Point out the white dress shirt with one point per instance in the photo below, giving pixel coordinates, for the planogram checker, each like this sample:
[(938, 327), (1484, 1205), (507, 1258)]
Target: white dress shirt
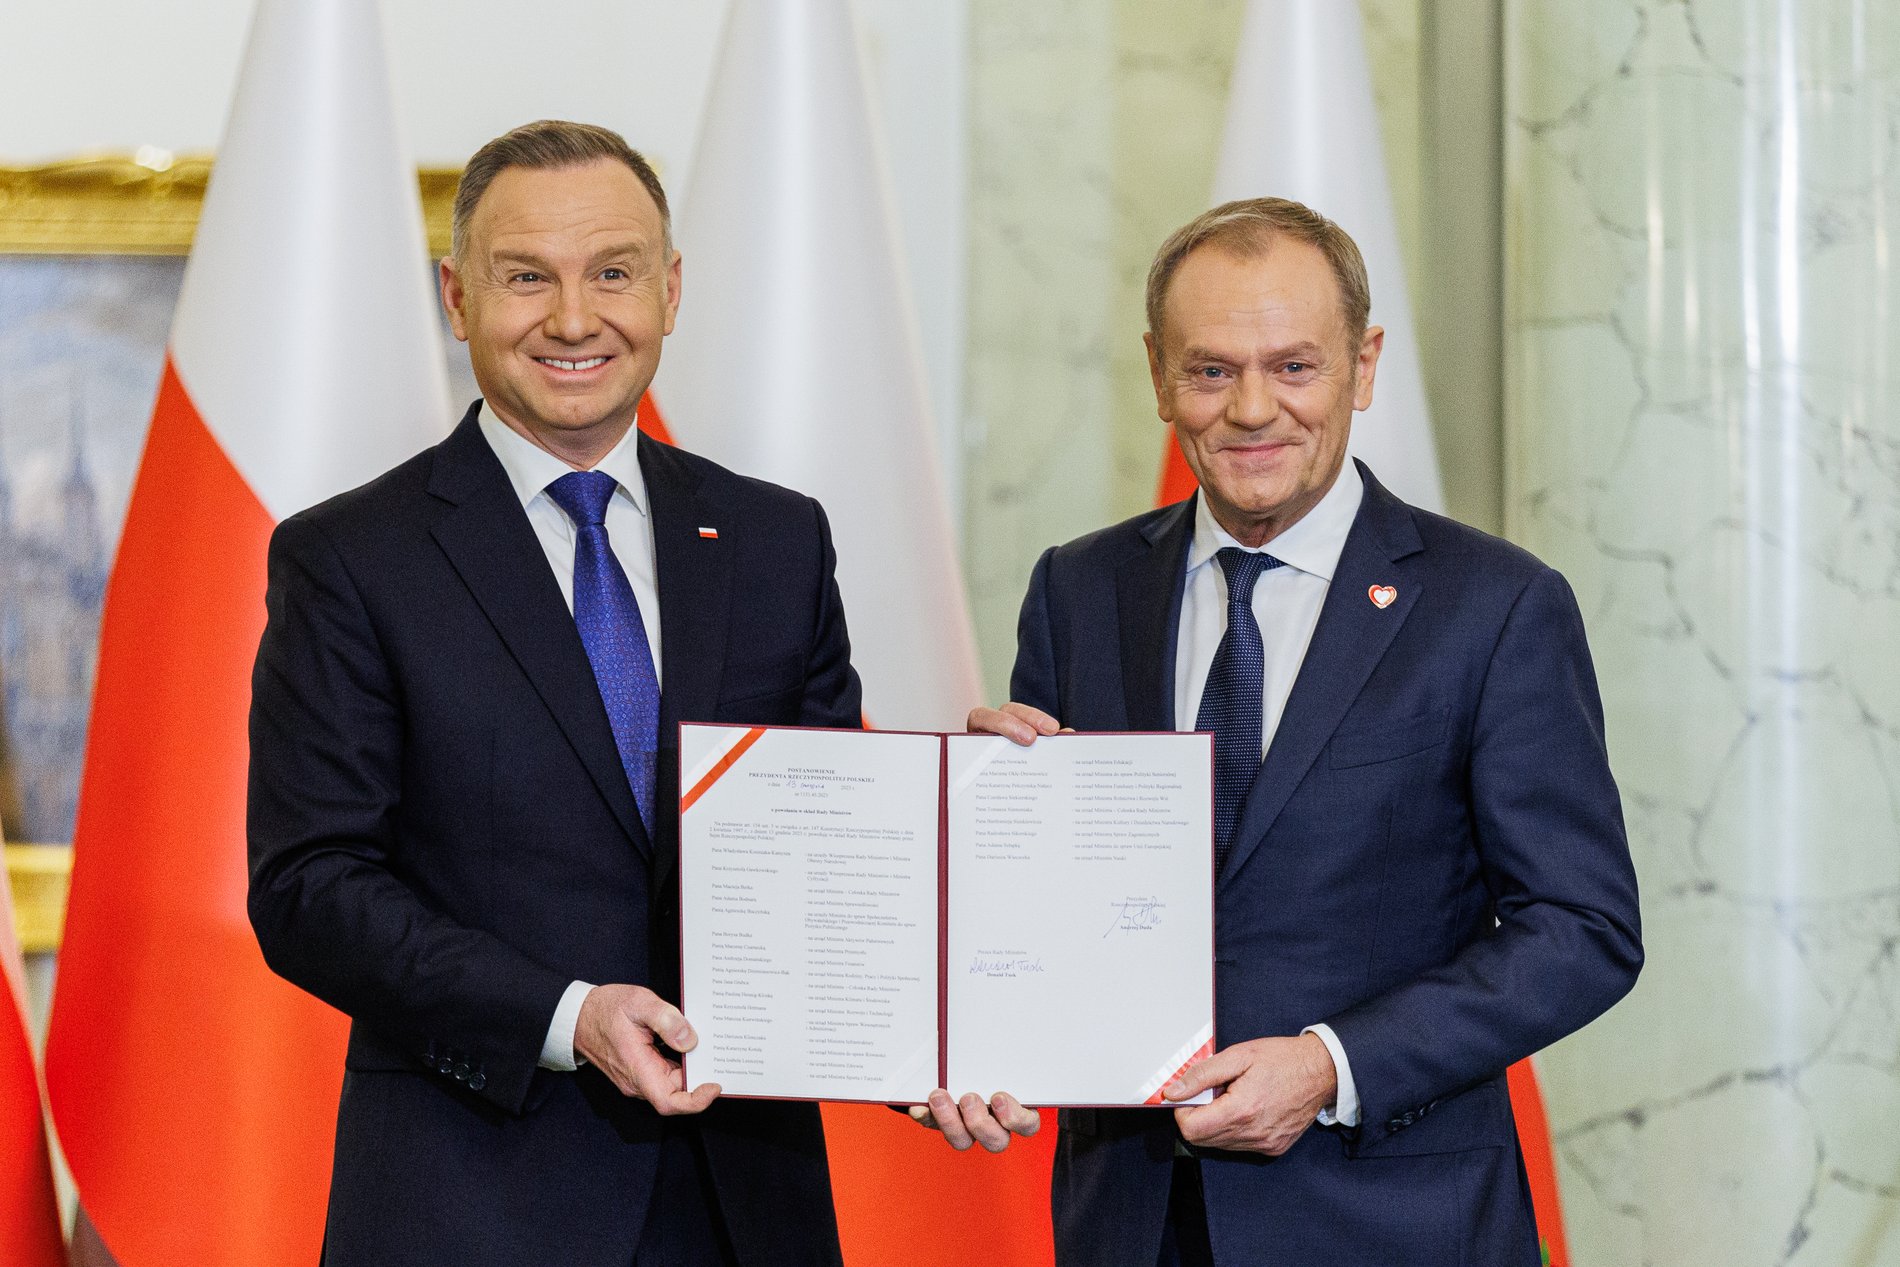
[(630, 532), (1286, 603)]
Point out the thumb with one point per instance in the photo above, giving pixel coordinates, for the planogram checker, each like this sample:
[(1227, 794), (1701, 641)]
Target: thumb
[(667, 1022), (1216, 1071)]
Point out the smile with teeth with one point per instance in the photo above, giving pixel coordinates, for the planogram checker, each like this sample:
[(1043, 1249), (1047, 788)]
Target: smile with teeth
[(558, 364)]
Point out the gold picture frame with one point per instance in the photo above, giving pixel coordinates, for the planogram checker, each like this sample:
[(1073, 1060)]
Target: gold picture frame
[(141, 203), (144, 203)]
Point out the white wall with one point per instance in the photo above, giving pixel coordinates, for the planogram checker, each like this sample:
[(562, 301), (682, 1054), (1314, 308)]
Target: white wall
[(83, 75)]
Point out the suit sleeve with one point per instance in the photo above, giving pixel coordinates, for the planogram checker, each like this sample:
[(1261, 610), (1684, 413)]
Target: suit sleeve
[(834, 697), (1033, 680), (1548, 828), (332, 911)]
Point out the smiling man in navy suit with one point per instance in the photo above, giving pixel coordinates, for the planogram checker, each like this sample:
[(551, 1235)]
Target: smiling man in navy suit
[(1422, 874), (463, 812)]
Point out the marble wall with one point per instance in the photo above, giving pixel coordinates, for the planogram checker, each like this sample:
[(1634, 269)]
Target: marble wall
[(1094, 130), (1703, 432)]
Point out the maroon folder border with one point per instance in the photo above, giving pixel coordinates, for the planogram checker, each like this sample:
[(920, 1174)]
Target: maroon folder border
[(943, 896)]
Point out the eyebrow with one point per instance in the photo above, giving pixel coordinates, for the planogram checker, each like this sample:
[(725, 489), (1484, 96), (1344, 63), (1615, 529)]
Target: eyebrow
[(632, 247), (1302, 351)]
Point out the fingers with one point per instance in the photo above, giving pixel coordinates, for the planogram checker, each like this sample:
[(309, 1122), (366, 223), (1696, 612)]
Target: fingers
[(970, 1120), (1216, 1071), (620, 1029), (1034, 717), (1017, 722), (1257, 1110), (698, 1100), (662, 1083), (1212, 1126), (949, 1120), (983, 1127), (1207, 1124), (1016, 1119)]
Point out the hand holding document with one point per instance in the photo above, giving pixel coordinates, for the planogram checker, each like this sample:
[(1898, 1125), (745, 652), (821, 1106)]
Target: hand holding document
[(872, 916)]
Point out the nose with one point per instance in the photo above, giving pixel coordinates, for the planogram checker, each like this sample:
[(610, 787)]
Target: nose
[(572, 317), (1253, 404)]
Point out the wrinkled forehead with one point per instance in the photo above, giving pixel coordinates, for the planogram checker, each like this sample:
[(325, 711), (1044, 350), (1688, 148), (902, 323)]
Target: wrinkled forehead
[(1282, 283), (594, 200)]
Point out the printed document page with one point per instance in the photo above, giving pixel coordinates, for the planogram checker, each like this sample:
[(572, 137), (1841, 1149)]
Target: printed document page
[(1080, 966), (808, 868)]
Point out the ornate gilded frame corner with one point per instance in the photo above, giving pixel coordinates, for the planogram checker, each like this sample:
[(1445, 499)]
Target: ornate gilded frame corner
[(144, 203)]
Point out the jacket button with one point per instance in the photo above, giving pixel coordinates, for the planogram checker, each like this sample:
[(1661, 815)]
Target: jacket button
[(445, 1066), (461, 1072), (477, 1080)]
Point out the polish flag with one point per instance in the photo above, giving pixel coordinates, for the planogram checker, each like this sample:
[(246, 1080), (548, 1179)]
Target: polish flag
[(796, 356), (30, 1232), (1301, 97), (195, 1092), (796, 360)]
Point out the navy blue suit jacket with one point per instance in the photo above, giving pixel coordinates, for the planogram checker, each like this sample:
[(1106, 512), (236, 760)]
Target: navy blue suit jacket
[(1431, 860), (442, 838)]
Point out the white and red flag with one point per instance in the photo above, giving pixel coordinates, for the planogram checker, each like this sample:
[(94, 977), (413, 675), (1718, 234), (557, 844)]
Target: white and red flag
[(796, 360), (30, 1232), (194, 1092), (796, 357), (1301, 97)]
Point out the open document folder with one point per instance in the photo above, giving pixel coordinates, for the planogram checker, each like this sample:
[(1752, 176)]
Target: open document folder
[(870, 915)]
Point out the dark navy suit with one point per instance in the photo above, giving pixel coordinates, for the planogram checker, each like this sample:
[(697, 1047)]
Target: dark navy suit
[(1431, 860), (442, 838)]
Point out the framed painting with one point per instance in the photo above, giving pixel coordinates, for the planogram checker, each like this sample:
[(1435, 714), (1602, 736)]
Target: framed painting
[(92, 252)]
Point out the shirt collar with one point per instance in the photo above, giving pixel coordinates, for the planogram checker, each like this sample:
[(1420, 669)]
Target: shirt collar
[(1312, 545), (532, 468)]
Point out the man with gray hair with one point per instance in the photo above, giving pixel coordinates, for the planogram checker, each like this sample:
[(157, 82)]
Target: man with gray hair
[(1421, 871), (463, 829)]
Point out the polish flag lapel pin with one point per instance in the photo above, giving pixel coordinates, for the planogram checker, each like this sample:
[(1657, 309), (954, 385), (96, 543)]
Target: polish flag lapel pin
[(709, 534), (1382, 596)]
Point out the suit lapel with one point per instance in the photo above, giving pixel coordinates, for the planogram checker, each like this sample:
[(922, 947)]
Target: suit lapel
[(491, 545), (694, 577), (1147, 626), (1351, 637)]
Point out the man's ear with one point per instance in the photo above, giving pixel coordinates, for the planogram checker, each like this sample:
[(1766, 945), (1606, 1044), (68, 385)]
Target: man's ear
[(1164, 401), (1367, 367), (672, 292), (450, 284)]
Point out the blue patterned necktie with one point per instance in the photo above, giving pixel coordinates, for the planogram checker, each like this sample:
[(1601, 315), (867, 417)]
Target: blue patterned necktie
[(1231, 700), (613, 633)]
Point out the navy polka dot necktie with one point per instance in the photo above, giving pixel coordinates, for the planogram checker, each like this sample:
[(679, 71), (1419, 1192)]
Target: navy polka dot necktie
[(1231, 700), (613, 633)]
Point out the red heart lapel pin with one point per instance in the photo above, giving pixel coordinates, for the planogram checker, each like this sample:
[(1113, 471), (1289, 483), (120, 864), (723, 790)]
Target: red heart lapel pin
[(1382, 596)]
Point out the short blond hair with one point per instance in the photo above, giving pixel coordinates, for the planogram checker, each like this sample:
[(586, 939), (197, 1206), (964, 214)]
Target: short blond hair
[(1249, 228), (546, 145)]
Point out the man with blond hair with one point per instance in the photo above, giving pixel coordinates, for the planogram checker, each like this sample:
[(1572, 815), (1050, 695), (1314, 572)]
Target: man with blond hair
[(463, 828), (1421, 870)]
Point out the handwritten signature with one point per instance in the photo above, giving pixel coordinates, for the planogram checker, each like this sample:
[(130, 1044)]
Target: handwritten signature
[(1135, 915), (987, 966)]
